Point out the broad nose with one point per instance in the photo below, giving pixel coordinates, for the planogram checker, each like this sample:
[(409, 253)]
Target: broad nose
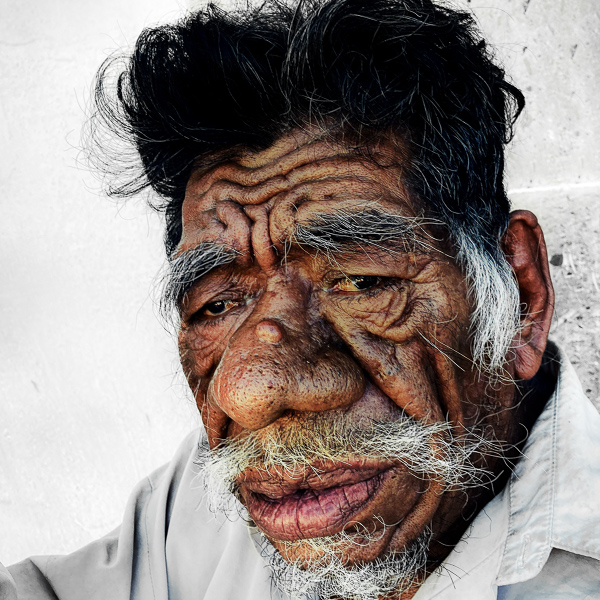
[(273, 365)]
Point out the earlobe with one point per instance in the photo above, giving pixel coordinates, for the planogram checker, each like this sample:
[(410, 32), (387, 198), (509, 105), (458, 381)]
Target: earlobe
[(525, 250)]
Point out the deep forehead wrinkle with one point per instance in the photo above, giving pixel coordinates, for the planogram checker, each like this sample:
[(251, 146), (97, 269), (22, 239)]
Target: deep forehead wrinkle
[(252, 169), (329, 168), (271, 172), (188, 267)]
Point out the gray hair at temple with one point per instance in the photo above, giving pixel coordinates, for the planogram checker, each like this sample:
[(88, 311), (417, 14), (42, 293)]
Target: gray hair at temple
[(200, 90)]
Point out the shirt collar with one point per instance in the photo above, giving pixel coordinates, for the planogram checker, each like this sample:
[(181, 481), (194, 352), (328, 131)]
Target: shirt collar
[(551, 501), (554, 490)]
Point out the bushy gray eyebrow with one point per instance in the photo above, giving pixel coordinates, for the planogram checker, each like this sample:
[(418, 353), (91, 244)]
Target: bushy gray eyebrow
[(338, 231), (345, 230), (183, 271)]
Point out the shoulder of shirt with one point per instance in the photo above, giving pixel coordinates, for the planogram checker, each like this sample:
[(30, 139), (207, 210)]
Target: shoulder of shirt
[(128, 557), (547, 518), (554, 490)]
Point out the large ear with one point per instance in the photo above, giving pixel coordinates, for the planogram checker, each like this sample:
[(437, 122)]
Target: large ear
[(525, 250)]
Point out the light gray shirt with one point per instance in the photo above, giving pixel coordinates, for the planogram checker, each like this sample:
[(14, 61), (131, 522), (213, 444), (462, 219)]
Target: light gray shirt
[(539, 538)]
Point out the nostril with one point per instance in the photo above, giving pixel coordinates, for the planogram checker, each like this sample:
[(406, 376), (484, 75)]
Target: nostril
[(269, 331)]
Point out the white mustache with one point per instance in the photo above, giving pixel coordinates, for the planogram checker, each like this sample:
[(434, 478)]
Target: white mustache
[(430, 451)]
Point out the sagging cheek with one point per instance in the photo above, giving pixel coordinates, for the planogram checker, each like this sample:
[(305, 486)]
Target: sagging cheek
[(403, 372), (196, 362), (200, 354), (438, 316), (198, 367), (415, 348)]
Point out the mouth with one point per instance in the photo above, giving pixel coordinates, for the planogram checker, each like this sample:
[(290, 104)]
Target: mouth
[(316, 503)]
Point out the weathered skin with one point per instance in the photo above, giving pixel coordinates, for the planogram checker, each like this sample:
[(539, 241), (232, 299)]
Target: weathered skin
[(296, 337)]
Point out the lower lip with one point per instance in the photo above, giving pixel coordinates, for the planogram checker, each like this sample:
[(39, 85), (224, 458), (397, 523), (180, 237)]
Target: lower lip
[(311, 513)]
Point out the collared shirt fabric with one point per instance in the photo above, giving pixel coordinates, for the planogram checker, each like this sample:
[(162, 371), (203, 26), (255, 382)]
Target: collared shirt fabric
[(537, 539), (540, 537)]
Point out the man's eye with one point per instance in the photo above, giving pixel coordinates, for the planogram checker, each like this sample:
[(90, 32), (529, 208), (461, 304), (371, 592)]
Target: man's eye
[(356, 283), (218, 307)]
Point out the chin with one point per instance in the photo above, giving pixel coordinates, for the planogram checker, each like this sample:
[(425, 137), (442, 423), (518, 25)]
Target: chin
[(349, 566)]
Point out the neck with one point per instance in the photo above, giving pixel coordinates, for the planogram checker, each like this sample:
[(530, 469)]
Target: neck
[(530, 399)]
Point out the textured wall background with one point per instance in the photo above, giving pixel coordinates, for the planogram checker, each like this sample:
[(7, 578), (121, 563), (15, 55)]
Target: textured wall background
[(551, 49), (90, 396), (89, 401)]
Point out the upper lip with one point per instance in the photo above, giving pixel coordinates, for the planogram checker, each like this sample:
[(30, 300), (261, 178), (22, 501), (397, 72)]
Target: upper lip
[(278, 482)]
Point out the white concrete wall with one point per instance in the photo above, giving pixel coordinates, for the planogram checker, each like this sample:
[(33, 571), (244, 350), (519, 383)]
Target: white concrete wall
[(551, 49), (90, 399)]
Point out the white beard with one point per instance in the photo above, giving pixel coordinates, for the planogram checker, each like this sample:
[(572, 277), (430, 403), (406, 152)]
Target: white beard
[(426, 450), (328, 578)]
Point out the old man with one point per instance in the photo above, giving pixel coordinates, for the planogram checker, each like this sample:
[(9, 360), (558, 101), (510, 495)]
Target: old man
[(362, 322)]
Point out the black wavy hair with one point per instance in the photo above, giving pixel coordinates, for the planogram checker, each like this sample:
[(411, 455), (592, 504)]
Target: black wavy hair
[(361, 69)]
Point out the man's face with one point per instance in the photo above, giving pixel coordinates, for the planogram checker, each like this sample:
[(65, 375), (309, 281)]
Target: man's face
[(333, 305)]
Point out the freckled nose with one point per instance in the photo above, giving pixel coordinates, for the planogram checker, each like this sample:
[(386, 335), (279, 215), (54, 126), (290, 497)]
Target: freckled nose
[(269, 331)]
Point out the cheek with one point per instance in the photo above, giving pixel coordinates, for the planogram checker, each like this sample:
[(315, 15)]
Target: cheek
[(403, 372), (197, 356), (413, 348), (200, 351), (199, 359)]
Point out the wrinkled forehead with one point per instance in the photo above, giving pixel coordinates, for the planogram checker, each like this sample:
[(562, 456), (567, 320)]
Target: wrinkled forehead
[(295, 180)]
